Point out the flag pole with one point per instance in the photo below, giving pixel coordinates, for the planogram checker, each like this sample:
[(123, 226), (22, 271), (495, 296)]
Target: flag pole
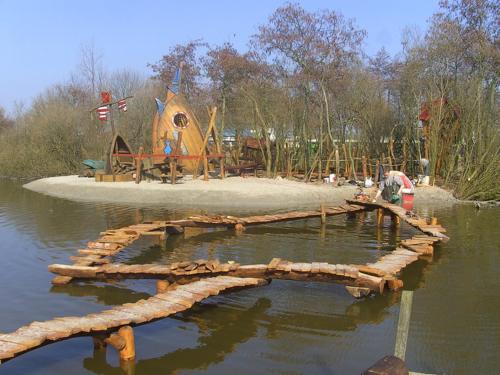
[(112, 120)]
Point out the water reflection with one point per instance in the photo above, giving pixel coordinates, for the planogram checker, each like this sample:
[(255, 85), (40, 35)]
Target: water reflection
[(308, 327), (218, 337), (104, 294)]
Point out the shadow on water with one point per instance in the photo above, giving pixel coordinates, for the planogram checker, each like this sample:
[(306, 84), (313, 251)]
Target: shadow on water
[(222, 329), (218, 338), (104, 294)]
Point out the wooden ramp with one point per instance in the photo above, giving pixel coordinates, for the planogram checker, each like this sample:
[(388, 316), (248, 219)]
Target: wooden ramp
[(157, 307), (113, 241)]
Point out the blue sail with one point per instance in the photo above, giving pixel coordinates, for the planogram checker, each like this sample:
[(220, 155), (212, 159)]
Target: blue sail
[(176, 82), (159, 106)]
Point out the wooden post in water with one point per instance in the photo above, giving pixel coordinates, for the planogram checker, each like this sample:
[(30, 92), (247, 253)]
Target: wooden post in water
[(128, 351), (162, 286), (122, 341), (434, 220), (395, 220), (403, 324), (380, 216), (99, 342), (323, 214)]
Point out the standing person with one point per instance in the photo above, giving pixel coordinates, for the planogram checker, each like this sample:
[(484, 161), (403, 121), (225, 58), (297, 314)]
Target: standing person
[(396, 187), (424, 163)]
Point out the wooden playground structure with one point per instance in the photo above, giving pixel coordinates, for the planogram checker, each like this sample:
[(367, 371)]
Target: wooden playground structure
[(180, 285)]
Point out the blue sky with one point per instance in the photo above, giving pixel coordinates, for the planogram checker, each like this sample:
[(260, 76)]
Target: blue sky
[(41, 40)]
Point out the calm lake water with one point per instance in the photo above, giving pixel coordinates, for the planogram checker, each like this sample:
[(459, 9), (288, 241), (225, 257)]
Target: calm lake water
[(284, 328)]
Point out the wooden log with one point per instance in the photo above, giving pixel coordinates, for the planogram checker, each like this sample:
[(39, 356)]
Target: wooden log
[(103, 245), (394, 284), (116, 341), (370, 270), (73, 271), (358, 292), (239, 228), (323, 214), (389, 365), (373, 282), (162, 286), (403, 324), (395, 220), (61, 280), (274, 263), (380, 217), (128, 351)]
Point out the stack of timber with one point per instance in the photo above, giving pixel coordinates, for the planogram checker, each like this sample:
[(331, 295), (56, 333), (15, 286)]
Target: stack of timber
[(185, 272), (178, 298), (434, 230)]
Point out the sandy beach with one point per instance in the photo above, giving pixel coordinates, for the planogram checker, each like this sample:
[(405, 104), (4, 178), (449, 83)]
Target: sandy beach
[(231, 193)]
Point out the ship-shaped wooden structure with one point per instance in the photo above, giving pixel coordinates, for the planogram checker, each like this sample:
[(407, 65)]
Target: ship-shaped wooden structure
[(176, 130), (178, 144)]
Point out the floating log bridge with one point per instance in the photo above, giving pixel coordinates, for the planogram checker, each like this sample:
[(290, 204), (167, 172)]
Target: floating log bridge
[(114, 240), (102, 325)]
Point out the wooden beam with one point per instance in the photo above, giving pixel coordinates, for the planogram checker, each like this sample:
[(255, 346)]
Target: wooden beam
[(403, 324)]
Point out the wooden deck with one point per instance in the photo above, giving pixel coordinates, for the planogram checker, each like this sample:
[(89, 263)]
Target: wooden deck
[(162, 305)]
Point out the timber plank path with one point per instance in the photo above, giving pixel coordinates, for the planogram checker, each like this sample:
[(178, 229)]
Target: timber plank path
[(415, 221), (182, 284), (159, 306)]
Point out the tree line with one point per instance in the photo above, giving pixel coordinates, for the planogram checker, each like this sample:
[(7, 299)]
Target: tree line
[(307, 90)]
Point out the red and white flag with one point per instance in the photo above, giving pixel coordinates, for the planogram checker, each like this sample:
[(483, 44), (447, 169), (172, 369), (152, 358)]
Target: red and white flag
[(122, 105), (103, 112)]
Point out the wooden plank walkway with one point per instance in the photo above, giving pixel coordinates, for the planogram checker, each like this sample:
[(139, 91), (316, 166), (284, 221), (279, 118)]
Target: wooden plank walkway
[(185, 272), (414, 220), (191, 282), (113, 241), (157, 307)]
